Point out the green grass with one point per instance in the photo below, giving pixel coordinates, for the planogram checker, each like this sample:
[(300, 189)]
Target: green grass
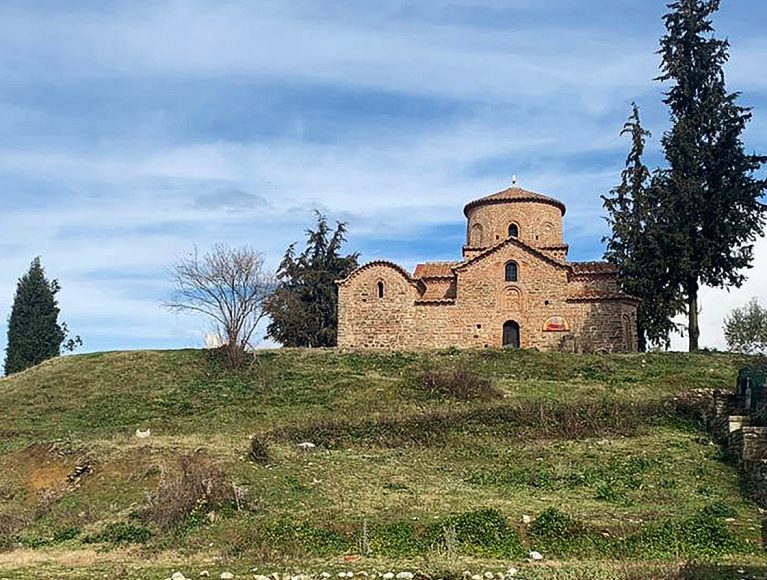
[(588, 444)]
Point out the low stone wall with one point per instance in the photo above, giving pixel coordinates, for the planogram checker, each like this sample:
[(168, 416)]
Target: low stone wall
[(724, 416)]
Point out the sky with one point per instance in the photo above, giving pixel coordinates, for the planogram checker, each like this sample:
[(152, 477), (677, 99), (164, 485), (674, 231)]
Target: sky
[(133, 131)]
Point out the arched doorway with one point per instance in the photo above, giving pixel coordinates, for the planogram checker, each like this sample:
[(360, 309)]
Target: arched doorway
[(511, 334)]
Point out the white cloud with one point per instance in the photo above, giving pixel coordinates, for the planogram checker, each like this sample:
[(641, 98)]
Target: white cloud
[(717, 303), (532, 100)]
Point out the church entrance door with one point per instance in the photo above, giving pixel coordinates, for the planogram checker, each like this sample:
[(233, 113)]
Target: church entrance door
[(511, 334)]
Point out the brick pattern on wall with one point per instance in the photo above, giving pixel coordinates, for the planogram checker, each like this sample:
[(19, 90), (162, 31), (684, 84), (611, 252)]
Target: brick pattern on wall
[(470, 309)]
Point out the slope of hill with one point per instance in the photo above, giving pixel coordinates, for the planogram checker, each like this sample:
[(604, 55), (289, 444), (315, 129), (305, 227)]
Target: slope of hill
[(368, 461)]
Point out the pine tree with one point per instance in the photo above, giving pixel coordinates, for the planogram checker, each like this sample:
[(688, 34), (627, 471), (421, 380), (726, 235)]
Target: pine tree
[(633, 244), (304, 307), (709, 197), (34, 333)]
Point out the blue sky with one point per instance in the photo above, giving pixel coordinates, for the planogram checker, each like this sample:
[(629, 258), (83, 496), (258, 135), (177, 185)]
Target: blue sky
[(133, 130)]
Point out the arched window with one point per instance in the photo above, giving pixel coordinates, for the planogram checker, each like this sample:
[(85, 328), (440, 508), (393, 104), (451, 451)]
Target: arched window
[(511, 334), (477, 235), (513, 231), (380, 289), (512, 272)]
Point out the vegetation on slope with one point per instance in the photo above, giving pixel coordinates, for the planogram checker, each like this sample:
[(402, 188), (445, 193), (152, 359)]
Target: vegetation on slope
[(428, 460)]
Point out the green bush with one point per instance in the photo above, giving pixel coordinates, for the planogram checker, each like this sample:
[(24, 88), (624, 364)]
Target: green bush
[(703, 535), (66, 534), (121, 533), (478, 533), (301, 538)]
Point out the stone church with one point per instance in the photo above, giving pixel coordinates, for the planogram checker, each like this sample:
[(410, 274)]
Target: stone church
[(514, 287)]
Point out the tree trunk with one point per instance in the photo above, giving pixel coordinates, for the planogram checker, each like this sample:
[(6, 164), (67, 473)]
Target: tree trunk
[(693, 330)]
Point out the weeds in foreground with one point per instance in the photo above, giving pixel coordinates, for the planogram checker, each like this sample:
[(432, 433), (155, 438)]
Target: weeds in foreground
[(196, 486), (458, 383), (521, 420)]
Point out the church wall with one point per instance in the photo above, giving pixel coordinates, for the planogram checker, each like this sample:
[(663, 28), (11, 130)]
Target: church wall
[(602, 283), (486, 299), (367, 321), (598, 326), (540, 224)]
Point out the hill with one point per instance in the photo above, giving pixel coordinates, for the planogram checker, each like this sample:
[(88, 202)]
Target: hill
[(430, 462)]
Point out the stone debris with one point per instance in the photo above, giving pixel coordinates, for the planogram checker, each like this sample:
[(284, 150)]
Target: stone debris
[(143, 434), (307, 445), (526, 519), (404, 575), (178, 576), (81, 471), (535, 556), (226, 576)]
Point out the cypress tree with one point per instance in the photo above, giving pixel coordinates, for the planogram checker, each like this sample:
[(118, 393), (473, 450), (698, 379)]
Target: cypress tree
[(709, 197), (34, 333), (633, 244), (304, 307)]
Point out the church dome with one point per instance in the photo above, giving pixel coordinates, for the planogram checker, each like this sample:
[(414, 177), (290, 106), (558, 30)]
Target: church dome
[(514, 195)]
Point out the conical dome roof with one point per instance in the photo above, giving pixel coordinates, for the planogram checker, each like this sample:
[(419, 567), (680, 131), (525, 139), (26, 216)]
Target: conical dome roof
[(514, 194)]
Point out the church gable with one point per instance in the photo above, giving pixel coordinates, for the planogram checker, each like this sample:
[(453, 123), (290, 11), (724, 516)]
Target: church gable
[(511, 274)]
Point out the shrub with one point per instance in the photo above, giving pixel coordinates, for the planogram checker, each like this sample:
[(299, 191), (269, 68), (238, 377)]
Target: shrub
[(301, 538), (196, 486), (258, 451), (524, 420), (552, 525), (458, 383), (478, 533), (700, 535), (121, 533), (66, 534), (9, 525), (556, 533)]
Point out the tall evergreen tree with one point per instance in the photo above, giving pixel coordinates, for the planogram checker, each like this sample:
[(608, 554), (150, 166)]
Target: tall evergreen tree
[(34, 333), (709, 196), (304, 307), (633, 244)]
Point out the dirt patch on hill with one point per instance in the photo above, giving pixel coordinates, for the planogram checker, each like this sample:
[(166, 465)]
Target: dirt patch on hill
[(40, 468)]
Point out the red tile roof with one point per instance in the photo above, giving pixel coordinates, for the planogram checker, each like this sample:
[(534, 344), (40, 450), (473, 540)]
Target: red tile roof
[(435, 270), (594, 268), (514, 194)]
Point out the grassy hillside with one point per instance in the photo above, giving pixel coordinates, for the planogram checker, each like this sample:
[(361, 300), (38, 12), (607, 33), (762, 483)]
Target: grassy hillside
[(402, 475)]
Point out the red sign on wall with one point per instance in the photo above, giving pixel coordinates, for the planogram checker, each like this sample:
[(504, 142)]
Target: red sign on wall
[(556, 324)]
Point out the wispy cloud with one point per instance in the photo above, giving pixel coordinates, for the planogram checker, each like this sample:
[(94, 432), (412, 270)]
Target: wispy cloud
[(134, 130)]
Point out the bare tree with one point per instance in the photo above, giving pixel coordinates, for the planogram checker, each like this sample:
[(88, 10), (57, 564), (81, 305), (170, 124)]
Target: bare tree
[(229, 286)]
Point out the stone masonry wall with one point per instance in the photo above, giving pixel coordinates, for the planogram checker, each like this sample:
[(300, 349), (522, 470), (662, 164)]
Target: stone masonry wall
[(365, 320), (484, 302), (723, 415), (540, 224)]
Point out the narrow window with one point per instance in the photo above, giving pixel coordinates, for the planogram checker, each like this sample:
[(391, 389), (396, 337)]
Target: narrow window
[(513, 231), (380, 289), (477, 235), (511, 272)]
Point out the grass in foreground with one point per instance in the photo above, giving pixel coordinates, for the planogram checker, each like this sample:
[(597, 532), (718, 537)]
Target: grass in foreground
[(404, 472)]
